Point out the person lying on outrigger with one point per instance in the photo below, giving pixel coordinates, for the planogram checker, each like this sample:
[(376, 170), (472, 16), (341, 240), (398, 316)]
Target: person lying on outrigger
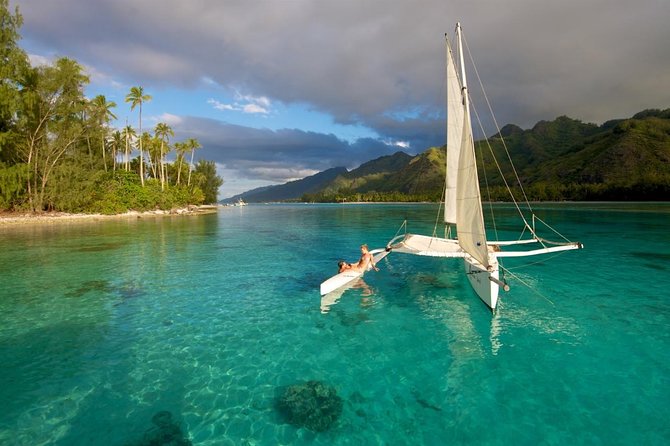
[(366, 262)]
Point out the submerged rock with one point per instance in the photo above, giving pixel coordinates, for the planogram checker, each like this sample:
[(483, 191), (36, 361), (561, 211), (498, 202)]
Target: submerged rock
[(314, 405), (166, 432), (162, 418), (101, 286)]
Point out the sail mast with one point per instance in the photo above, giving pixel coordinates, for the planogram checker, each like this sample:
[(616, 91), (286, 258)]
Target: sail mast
[(469, 213), (464, 83)]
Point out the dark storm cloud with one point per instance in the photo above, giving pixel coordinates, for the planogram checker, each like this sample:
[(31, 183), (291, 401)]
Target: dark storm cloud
[(374, 63)]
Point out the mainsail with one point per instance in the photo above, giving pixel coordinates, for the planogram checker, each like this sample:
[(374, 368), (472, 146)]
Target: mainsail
[(469, 214), (455, 113)]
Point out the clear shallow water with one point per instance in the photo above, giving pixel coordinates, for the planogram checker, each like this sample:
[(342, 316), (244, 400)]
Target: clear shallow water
[(104, 324)]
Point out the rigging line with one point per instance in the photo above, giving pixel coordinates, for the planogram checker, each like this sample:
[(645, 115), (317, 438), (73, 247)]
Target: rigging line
[(488, 193), (496, 125), (404, 223), (495, 159), (443, 199), (439, 208), (523, 231), (514, 276), (548, 226)]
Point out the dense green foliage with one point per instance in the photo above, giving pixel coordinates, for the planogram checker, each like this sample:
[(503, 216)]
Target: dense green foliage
[(58, 152), (122, 191), (13, 67), (206, 180), (395, 178), (626, 159), (367, 197), (564, 159)]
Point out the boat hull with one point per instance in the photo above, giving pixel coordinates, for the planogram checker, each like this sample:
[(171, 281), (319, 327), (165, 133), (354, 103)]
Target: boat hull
[(338, 281), (342, 279), (480, 280)]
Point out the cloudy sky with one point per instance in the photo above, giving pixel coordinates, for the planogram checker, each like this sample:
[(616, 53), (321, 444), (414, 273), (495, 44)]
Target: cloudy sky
[(280, 89)]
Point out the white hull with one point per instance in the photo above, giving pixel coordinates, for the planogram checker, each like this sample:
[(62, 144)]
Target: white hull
[(342, 279), (478, 275), (339, 281), (480, 279)]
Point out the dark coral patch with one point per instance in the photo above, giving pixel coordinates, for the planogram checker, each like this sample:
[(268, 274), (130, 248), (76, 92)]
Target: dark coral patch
[(314, 405), (165, 432)]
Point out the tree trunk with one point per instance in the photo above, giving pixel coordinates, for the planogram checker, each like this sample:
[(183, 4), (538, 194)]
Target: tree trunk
[(162, 165), (179, 170), (127, 154), (190, 168), (141, 151), (104, 155)]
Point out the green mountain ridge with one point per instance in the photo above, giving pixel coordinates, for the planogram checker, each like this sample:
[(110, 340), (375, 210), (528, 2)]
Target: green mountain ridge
[(563, 159), (291, 190), (372, 175), (627, 159)]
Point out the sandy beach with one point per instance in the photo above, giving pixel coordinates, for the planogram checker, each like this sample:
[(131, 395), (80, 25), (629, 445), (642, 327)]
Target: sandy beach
[(20, 219)]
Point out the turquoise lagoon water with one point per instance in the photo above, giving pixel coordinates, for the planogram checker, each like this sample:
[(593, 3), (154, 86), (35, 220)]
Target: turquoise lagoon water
[(105, 324)]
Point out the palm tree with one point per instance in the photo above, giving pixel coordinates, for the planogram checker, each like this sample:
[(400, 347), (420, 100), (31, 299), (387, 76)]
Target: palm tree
[(102, 113), (181, 149), (152, 145), (128, 135), (137, 97), (163, 133), (147, 142), (115, 142), (192, 145)]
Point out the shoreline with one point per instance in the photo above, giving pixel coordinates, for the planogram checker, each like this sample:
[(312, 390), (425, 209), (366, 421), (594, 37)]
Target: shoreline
[(13, 219)]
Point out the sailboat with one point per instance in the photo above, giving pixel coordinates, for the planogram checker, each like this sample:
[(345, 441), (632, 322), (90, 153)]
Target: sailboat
[(463, 202)]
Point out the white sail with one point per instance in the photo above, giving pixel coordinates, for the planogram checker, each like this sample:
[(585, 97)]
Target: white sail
[(470, 217), (455, 112)]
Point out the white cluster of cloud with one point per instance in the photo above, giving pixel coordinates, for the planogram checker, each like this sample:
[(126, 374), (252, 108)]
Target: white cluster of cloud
[(245, 104), (170, 119), (37, 60)]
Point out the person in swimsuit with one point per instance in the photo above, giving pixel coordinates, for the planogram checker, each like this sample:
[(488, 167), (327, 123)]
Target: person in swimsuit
[(367, 261)]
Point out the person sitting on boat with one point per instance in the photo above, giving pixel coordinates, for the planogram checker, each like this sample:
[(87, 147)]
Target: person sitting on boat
[(366, 262)]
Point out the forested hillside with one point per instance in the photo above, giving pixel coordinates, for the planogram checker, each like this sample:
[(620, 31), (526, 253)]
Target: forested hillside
[(625, 159), (563, 159)]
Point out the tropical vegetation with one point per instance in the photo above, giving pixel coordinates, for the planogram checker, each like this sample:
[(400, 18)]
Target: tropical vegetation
[(59, 151)]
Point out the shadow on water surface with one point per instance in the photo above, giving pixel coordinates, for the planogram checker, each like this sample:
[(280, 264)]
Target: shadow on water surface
[(35, 360), (662, 256), (90, 286), (100, 247), (125, 291)]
